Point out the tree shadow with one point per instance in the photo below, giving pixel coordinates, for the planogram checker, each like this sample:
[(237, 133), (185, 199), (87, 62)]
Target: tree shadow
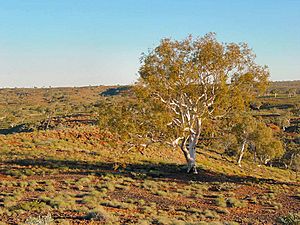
[(146, 169), (21, 128)]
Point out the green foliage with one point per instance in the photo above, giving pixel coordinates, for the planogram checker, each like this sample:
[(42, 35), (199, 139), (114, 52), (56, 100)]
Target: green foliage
[(30, 206), (267, 147), (296, 163), (134, 119), (244, 127), (221, 201), (199, 81), (98, 214), (233, 202), (253, 134), (290, 219), (60, 201)]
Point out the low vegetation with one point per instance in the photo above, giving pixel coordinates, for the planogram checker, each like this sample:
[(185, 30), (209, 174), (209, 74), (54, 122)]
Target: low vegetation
[(105, 155)]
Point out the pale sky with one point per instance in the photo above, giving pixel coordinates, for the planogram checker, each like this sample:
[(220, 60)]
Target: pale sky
[(95, 42)]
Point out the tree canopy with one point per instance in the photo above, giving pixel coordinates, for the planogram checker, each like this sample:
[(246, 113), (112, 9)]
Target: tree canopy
[(254, 135), (199, 81)]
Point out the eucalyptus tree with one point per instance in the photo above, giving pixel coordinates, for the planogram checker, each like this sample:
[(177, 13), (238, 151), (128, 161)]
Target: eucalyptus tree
[(266, 145), (199, 80), (292, 151), (244, 129), (134, 120), (253, 134)]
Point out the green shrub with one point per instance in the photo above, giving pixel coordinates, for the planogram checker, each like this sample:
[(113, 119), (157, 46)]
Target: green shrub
[(30, 206), (233, 202), (231, 223), (98, 214), (122, 187), (210, 214), (222, 211), (148, 210), (192, 210), (274, 205), (60, 201), (290, 219), (9, 201), (143, 222), (160, 193), (220, 201), (116, 204)]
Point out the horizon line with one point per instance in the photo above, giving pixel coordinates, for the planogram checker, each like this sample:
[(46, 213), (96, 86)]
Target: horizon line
[(95, 85)]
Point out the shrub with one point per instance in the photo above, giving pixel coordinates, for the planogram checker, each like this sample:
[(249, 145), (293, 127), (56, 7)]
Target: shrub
[(160, 193), (143, 222), (274, 205), (93, 198), (23, 184), (60, 201), (9, 201), (148, 210), (40, 220), (220, 201), (290, 219), (222, 211), (108, 186), (252, 200), (233, 202), (210, 214), (192, 210), (31, 206), (98, 214), (122, 187), (231, 223)]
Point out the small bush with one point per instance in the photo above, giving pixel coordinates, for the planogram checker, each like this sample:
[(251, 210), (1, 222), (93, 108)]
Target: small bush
[(222, 211), (192, 210), (185, 192), (274, 205), (252, 200), (220, 202), (143, 222), (233, 202), (148, 210), (290, 219), (98, 214), (122, 187), (40, 220), (108, 186), (210, 214), (231, 223), (9, 201), (30, 206), (60, 201), (160, 193)]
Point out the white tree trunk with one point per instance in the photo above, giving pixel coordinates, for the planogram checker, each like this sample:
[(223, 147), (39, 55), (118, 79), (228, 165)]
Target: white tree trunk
[(241, 154), (192, 154)]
